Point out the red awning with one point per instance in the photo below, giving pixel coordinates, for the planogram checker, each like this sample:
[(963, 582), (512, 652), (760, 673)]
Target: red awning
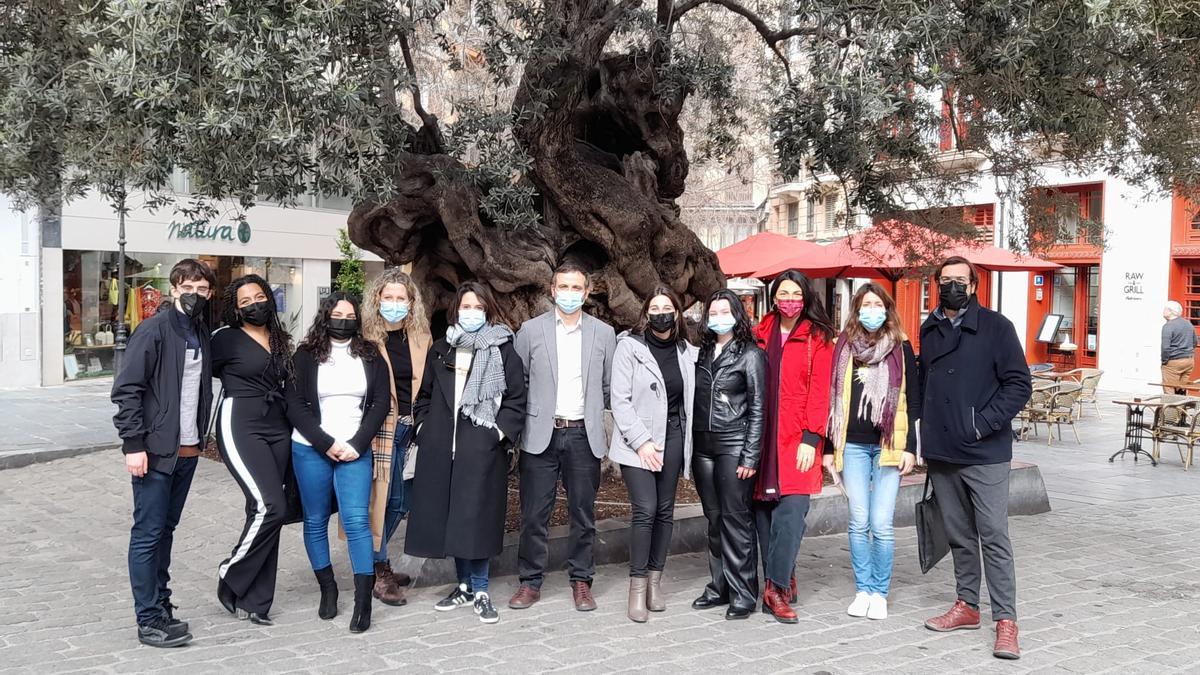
[(758, 255)]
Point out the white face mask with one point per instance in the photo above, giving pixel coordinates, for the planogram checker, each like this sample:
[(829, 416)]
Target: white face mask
[(471, 320)]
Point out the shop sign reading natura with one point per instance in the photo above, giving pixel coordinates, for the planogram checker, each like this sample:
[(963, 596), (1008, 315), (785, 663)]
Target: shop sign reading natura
[(231, 232)]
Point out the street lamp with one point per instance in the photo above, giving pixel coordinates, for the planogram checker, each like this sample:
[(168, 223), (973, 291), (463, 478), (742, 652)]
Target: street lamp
[(122, 336)]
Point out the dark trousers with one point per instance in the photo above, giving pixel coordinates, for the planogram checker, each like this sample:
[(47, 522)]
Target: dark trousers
[(158, 500), (781, 529), (256, 449), (570, 457), (652, 498), (732, 559), (974, 504), (398, 489)]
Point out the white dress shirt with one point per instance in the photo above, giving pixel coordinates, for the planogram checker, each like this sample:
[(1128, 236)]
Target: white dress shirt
[(569, 345)]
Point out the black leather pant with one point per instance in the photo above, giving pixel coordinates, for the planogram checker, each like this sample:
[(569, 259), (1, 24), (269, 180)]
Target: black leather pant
[(652, 500), (732, 559)]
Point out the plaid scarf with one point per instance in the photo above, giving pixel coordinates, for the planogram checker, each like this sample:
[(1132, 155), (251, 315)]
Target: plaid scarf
[(486, 383), (880, 374)]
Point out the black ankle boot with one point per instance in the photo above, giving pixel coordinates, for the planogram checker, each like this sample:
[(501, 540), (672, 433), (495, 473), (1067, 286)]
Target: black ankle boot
[(361, 619), (329, 593)]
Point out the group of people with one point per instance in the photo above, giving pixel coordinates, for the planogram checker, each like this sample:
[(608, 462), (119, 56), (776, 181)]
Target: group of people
[(373, 418)]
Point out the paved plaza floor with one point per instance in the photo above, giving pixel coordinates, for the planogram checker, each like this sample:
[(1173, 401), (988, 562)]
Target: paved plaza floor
[(1109, 581)]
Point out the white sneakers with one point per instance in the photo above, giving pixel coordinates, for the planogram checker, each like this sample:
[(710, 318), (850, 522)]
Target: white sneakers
[(870, 605), (878, 609), (860, 606)]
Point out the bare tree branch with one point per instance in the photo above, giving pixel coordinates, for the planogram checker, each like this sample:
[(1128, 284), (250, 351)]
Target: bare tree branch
[(771, 37)]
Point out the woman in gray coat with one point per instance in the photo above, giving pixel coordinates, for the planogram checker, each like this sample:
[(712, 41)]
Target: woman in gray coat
[(653, 383)]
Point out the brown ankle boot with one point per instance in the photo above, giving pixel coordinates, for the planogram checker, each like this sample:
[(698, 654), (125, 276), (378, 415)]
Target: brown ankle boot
[(637, 600), (386, 590), (655, 602)]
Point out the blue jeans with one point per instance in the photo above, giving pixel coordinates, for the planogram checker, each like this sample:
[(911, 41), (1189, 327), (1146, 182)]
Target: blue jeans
[(320, 479), (397, 504), (473, 573), (158, 500), (872, 490)]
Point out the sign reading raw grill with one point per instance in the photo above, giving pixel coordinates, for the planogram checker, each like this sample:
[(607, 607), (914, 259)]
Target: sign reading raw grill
[(233, 232)]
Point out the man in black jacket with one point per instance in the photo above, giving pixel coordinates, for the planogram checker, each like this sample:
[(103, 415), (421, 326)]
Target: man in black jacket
[(976, 380), (163, 396)]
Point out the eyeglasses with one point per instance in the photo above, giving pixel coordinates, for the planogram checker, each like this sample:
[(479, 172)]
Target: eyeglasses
[(961, 280)]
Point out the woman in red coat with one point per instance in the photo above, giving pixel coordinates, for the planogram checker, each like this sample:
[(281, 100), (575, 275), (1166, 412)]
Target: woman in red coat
[(797, 337)]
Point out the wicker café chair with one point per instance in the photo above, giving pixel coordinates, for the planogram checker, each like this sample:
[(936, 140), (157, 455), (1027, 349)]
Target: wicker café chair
[(1037, 410), (1089, 379), (1062, 410), (1178, 422)]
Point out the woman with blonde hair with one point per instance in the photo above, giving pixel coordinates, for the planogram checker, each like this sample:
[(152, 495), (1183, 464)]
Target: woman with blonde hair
[(394, 319)]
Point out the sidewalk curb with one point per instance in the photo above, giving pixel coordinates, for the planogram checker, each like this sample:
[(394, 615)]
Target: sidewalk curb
[(17, 459), (829, 514)]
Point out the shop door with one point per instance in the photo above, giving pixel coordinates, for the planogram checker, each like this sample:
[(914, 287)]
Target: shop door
[(1076, 296)]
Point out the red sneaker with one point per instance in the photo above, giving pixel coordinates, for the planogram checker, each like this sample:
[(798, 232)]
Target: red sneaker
[(1006, 640), (960, 617)]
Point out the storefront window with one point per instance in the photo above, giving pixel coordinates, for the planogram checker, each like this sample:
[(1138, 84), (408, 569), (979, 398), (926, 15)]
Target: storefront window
[(91, 292), (1064, 303)]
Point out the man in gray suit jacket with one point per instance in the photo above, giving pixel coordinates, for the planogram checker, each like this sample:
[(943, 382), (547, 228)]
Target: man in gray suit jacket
[(568, 360)]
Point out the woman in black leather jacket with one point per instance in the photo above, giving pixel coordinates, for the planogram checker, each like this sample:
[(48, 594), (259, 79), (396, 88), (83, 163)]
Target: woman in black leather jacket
[(731, 376)]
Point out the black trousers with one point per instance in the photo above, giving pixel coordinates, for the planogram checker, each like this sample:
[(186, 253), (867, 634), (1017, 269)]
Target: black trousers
[(158, 500), (652, 497), (781, 529), (569, 457), (256, 448), (732, 559)]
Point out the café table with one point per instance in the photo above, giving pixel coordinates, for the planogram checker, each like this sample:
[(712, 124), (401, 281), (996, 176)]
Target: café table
[(1135, 426)]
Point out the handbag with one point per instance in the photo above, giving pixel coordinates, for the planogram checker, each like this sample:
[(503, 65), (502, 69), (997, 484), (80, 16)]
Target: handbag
[(932, 544)]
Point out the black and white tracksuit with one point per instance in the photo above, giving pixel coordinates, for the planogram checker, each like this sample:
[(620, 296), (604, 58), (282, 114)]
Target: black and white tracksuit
[(254, 438)]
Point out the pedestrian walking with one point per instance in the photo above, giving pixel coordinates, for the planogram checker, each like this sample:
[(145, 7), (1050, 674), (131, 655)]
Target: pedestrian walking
[(1179, 344), (470, 411), (394, 319), (874, 408), (337, 403), (252, 356), (796, 335), (975, 381), (731, 381), (567, 355), (163, 395), (653, 390)]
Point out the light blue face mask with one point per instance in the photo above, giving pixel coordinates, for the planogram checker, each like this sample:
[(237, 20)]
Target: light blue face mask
[(872, 318), (393, 312), (568, 301), (471, 320), (721, 323)]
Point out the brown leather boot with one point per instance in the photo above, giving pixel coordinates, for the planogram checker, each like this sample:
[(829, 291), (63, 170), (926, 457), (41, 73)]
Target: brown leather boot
[(775, 603), (655, 602), (386, 590), (402, 580), (581, 592), (960, 617), (524, 598), (637, 600)]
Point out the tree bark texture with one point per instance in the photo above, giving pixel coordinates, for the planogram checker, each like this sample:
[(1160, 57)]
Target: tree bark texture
[(608, 162)]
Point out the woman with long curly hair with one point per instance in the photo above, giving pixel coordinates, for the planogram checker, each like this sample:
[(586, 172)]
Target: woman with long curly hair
[(252, 357), (727, 430), (338, 400), (797, 336), (394, 319)]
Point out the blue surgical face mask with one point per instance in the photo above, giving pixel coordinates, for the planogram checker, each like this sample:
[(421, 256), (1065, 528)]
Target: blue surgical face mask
[(471, 320), (393, 312), (872, 318), (721, 323), (568, 301)]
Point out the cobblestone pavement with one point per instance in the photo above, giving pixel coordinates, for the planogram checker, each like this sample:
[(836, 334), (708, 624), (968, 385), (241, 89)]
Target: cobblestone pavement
[(1104, 587)]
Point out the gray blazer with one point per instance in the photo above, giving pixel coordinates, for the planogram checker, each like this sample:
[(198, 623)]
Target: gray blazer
[(639, 401), (535, 343)]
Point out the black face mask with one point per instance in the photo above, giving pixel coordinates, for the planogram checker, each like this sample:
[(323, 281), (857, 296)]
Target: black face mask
[(257, 314), (193, 305), (953, 295), (342, 329), (661, 323)]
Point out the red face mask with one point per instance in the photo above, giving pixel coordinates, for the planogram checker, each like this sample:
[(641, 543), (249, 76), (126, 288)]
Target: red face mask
[(790, 308)]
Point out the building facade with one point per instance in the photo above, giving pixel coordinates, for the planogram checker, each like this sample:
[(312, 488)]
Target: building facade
[(61, 285)]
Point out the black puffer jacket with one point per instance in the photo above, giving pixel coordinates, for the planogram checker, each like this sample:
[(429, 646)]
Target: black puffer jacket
[(730, 396)]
